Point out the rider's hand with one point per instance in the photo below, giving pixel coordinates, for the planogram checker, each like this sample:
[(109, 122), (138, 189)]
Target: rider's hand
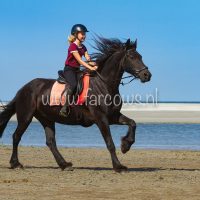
[(92, 63), (94, 68)]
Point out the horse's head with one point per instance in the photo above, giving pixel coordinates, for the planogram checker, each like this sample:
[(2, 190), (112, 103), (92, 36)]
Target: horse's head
[(133, 64)]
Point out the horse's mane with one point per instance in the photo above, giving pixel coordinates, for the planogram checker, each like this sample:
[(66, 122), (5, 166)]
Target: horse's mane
[(105, 48)]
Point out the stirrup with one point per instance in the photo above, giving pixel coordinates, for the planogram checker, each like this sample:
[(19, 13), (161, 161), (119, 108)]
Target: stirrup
[(65, 113)]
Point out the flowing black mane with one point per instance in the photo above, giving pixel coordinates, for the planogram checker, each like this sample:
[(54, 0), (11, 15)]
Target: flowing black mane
[(106, 47)]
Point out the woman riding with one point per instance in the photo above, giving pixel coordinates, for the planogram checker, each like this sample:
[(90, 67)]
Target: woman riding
[(74, 60)]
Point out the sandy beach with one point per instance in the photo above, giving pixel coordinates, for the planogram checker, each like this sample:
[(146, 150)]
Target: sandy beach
[(163, 112), (152, 174)]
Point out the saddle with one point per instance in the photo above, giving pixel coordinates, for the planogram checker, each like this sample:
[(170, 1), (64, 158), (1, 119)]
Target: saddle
[(60, 86), (80, 75)]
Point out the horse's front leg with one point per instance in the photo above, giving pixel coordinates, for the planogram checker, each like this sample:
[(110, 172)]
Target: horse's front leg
[(129, 138), (102, 122)]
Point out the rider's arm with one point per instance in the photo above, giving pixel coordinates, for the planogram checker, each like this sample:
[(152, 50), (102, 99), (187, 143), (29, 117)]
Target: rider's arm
[(81, 62), (87, 56)]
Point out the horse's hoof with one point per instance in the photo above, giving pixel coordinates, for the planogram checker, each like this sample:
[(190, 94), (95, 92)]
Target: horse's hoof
[(125, 145), (66, 166), (16, 165), (69, 169), (120, 168)]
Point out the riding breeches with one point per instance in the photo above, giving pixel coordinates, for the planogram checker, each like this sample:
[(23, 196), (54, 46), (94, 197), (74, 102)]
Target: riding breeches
[(70, 74)]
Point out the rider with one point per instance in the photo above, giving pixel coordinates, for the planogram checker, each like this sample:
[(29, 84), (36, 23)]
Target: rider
[(74, 59)]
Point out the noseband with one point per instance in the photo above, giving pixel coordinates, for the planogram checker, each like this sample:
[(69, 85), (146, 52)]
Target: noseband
[(137, 72)]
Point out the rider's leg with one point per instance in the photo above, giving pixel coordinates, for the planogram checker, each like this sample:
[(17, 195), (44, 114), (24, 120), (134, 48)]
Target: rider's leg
[(65, 109), (71, 78)]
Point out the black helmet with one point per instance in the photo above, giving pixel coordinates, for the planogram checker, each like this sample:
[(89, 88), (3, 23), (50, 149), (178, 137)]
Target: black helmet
[(78, 28)]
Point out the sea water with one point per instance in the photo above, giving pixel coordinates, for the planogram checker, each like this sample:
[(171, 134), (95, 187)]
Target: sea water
[(148, 136)]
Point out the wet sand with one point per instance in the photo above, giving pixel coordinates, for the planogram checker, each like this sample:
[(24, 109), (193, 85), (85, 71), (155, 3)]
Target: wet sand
[(152, 174)]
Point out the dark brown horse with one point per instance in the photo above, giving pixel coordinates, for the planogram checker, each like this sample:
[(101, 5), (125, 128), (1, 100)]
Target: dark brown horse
[(113, 58)]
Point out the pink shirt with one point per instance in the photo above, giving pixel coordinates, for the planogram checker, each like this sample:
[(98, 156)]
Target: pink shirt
[(71, 60)]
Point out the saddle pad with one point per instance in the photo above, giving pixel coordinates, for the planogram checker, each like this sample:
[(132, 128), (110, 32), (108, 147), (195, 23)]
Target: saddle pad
[(56, 97)]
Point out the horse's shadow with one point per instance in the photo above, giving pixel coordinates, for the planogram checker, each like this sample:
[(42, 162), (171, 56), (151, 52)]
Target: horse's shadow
[(140, 169)]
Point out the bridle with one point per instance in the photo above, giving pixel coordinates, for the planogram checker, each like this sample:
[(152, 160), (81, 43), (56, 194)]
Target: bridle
[(136, 74)]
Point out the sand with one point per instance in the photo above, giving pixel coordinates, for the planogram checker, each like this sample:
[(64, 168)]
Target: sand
[(163, 112), (152, 174)]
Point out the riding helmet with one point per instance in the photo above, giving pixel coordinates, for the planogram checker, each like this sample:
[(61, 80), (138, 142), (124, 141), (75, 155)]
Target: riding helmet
[(78, 28)]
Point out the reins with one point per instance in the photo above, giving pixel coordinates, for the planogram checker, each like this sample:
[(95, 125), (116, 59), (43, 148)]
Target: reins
[(122, 83)]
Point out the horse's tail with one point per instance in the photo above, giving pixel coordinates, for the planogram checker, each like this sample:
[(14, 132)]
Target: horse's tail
[(5, 115)]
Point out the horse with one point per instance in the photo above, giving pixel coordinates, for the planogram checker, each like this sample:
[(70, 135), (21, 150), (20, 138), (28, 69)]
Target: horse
[(113, 57)]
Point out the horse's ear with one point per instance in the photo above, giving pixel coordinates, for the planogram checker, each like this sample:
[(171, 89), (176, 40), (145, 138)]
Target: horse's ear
[(135, 44), (128, 42)]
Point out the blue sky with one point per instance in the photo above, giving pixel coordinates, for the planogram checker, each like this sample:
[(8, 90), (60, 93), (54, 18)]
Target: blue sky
[(33, 41)]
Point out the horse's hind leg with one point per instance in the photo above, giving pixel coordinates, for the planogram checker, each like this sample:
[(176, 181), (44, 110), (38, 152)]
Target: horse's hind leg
[(49, 128), (25, 108), (21, 128)]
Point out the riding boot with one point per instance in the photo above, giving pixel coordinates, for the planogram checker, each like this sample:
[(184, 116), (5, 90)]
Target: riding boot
[(65, 110)]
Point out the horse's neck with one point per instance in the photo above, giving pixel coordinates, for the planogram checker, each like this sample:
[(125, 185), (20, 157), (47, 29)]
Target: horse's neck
[(112, 74)]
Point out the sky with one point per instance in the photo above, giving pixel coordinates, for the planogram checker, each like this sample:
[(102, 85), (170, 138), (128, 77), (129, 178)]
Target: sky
[(33, 41)]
